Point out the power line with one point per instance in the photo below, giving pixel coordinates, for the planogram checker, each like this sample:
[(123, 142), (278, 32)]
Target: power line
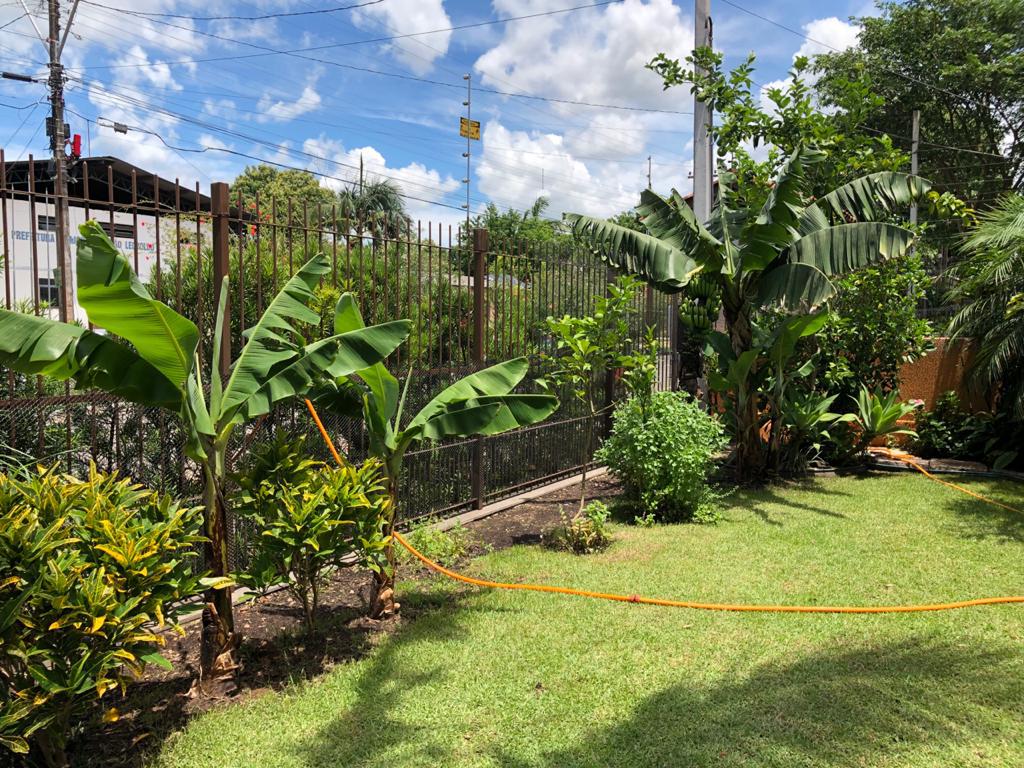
[(280, 15), (205, 148), (299, 54), (113, 93)]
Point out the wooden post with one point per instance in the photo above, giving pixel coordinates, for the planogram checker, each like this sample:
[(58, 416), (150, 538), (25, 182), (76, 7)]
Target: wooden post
[(220, 206), (480, 247)]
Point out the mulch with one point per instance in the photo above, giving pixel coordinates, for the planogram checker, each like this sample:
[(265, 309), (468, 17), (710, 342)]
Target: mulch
[(276, 651)]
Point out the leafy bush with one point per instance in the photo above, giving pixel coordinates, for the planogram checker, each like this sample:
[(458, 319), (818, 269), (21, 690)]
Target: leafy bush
[(586, 532), (88, 571), (950, 431), (662, 451), (873, 326), (441, 546), (879, 415), (311, 517)]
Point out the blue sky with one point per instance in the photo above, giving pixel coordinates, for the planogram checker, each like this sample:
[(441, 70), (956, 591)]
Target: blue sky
[(177, 79)]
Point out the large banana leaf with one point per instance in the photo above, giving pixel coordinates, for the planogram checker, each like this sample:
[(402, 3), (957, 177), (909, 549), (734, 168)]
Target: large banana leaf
[(273, 343), (645, 256), (869, 198), (673, 222), (464, 418), (794, 287), (776, 224), (383, 386), (115, 299), (783, 341), (61, 351), (335, 357), (499, 379), (846, 247)]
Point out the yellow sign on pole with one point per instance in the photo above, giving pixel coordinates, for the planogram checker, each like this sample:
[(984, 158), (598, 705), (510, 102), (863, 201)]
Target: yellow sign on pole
[(469, 129)]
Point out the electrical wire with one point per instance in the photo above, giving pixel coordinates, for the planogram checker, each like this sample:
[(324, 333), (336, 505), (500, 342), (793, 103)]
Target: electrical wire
[(278, 15), (298, 53)]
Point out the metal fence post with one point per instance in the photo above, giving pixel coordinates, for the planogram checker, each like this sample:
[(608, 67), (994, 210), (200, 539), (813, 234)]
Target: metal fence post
[(609, 379), (220, 206), (480, 246)]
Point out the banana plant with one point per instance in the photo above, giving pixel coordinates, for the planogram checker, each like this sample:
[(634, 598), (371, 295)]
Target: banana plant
[(161, 368), (783, 255), (482, 403)]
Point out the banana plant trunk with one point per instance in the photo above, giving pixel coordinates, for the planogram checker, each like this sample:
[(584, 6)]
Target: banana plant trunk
[(749, 453), (383, 604), (218, 658)]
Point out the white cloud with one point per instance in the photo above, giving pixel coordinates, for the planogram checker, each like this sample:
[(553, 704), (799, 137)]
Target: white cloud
[(823, 36), (828, 35), (282, 111), (399, 17), (413, 179), (594, 55), (523, 166)]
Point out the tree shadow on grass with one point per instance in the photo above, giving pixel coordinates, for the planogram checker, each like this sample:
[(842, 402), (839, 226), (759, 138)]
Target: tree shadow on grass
[(844, 708), (758, 499), (840, 708), (977, 519)]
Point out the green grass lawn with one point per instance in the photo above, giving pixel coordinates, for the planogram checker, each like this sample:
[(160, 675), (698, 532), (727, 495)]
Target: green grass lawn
[(525, 680)]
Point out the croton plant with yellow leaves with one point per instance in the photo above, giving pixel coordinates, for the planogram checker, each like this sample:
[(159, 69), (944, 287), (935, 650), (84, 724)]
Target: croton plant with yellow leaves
[(88, 570)]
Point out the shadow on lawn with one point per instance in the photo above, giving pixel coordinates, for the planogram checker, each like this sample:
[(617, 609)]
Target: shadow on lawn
[(977, 519), (834, 708), (757, 499)]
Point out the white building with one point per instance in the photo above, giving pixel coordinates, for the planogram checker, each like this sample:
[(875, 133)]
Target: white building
[(148, 218)]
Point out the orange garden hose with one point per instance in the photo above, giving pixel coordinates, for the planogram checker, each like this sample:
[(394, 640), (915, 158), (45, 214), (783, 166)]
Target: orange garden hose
[(686, 603)]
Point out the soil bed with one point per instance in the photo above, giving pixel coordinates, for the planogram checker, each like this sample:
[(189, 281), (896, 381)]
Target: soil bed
[(275, 649)]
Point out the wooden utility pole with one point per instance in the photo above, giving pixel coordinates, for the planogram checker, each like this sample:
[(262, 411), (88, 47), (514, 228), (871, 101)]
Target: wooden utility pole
[(648, 171), (702, 150), (58, 138)]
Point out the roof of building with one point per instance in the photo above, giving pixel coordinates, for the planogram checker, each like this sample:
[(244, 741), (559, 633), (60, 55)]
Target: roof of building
[(102, 180)]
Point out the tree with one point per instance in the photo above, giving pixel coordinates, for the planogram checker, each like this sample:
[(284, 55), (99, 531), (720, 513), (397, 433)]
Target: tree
[(482, 403), (781, 254), (961, 63), (793, 119), (990, 285), (161, 368), (587, 347), (375, 207), (310, 202)]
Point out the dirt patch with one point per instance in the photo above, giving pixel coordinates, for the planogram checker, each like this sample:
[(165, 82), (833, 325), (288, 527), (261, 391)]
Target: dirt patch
[(276, 651)]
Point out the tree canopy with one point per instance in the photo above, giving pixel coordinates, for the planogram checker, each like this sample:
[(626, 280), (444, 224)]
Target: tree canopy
[(961, 63)]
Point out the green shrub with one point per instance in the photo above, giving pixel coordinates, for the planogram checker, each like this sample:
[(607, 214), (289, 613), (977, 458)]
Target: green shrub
[(950, 431), (444, 547), (873, 328), (88, 572), (662, 451), (586, 532), (311, 518)]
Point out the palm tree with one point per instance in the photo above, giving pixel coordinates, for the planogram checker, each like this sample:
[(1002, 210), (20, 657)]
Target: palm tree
[(375, 205), (782, 255), (991, 288)]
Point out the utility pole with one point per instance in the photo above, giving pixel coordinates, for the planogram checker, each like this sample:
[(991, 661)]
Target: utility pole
[(648, 171), (915, 140), (702, 151), (55, 44), (468, 104)]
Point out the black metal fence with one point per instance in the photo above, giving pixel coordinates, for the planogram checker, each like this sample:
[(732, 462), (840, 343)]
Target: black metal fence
[(471, 302)]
